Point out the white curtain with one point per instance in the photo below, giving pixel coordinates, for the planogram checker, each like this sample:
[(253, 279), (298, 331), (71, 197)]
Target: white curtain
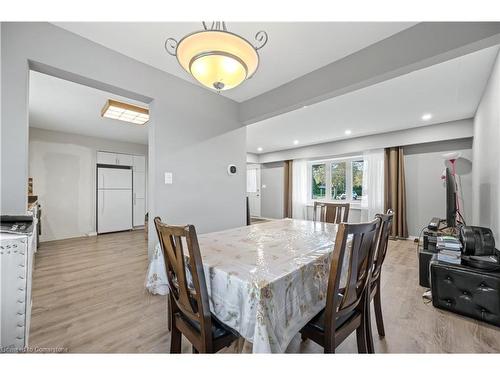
[(299, 189), (373, 184)]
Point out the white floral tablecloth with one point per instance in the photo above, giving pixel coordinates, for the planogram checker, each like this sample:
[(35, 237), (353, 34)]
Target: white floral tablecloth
[(266, 281)]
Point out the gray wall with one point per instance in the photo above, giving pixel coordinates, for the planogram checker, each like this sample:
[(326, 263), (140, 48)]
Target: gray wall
[(425, 191), (63, 168), (486, 151), (431, 133), (193, 132), (272, 195)]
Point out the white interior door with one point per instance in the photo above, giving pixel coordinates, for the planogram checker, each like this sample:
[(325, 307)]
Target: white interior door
[(253, 189)]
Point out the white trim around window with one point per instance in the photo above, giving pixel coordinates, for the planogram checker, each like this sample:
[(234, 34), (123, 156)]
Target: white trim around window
[(328, 178)]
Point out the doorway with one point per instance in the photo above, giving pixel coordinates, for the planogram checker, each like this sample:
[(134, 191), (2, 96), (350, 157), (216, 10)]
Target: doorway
[(253, 189)]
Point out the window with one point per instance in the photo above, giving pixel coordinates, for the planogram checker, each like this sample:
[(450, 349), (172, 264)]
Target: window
[(337, 180), (357, 179), (318, 181)]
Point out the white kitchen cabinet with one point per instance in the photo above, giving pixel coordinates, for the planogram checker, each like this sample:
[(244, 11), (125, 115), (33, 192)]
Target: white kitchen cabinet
[(139, 211), (124, 159), (139, 184), (139, 188), (139, 163), (113, 158), (106, 158)]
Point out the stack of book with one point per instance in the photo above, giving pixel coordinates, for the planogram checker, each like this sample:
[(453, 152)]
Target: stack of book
[(449, 249)]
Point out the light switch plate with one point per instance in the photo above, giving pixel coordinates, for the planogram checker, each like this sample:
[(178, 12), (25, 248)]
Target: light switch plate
[(168, 178)]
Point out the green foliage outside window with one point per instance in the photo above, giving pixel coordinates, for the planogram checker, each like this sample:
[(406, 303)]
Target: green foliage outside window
[(318, 181), (357, 179), (338, 181)]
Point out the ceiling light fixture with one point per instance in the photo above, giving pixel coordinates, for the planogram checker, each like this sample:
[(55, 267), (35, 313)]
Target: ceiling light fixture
[(426, 116), (347, 132), (217, 58), (259, 149), (296, 142), (125, 112)]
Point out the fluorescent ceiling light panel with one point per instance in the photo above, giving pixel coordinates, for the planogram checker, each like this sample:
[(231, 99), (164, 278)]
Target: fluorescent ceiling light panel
[(125, 112)]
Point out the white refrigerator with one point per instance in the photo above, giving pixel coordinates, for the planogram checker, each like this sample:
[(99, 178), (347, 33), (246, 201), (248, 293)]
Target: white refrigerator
[(114, 199)]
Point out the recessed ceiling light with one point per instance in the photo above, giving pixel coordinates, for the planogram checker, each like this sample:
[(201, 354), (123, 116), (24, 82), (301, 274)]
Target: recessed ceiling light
[(259, 149), (426, 116), (125, 112), (296, 142), (347, 132), (304, 106)]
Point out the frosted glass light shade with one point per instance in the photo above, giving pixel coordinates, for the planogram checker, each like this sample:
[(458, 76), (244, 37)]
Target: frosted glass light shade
[(217, 59)]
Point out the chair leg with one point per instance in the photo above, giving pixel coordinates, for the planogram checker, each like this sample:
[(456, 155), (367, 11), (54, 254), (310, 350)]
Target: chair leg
[(303, 336), (195, 351), (169, 315), (368, 329), (329, 350), (175, 340), (377, 304), (361, 336)]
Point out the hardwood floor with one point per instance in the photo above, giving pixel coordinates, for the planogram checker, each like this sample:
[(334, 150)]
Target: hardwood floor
[(88, 296)]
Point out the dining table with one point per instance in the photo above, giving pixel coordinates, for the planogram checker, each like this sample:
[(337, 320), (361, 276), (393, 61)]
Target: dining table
[(266, 281)]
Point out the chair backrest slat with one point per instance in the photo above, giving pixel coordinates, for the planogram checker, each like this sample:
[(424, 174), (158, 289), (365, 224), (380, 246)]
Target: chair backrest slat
[(189, 293), (384, 233), (334, 213), (358, 242)]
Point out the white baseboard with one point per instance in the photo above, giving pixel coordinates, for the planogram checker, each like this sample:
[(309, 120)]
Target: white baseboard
[(91, 234)]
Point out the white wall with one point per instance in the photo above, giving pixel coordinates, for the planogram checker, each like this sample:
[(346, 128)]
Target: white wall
[(63, 168), (486, 151), (425, 191), (193, 133), (431, 133), (252, 158)]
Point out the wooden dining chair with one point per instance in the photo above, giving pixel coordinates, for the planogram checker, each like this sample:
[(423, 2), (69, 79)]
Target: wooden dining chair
[(334, 213), (189, 304), (346, 305), (375, 290)]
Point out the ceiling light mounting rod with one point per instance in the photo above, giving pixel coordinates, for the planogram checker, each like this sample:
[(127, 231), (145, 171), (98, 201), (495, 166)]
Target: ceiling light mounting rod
[(216, 57)]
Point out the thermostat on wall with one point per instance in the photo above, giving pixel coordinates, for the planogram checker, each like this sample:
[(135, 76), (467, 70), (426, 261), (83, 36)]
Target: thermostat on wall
[(231, 169)]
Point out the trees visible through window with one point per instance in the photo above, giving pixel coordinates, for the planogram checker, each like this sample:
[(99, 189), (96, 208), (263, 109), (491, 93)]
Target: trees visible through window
[(357, 179), (337, 180), (318, 181)]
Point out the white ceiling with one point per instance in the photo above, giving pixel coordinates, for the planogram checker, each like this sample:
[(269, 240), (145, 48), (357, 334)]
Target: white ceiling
[(449, 91), (56, 104), (294, 48)]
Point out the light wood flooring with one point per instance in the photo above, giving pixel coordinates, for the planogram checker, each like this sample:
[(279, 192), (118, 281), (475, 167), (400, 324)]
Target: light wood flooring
[(88, 296)]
